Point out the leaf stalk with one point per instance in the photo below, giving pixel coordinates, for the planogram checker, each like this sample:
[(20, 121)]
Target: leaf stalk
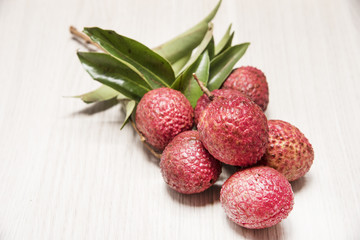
[(143, 140), (84, 37), (203, 88)]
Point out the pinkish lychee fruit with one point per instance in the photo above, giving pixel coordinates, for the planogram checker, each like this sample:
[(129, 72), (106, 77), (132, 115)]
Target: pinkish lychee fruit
[(187, 166), (162, 114), (288, 151), (204, 100), (234, 130), (257, 197), (252, 82)]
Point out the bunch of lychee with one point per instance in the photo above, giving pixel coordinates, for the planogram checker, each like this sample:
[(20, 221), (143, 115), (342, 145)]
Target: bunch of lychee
[(231, 129)]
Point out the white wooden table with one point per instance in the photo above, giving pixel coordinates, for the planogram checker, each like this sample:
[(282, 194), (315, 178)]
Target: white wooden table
[(67, 172)]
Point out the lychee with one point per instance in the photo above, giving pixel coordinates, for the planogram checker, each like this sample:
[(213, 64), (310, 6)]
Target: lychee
[(187, 166), (288, 151), (257, 197), (204, 100), (234, 130), (162, 114), (252, 82)]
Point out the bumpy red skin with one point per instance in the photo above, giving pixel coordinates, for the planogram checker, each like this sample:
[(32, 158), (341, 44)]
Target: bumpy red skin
[(187, 166), (257, 197), (252, 82), (288, 151), (234, 130), (162, 114), (204, 100)]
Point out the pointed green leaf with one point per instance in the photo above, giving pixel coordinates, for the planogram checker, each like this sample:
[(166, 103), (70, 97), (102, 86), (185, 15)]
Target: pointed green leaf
[(183, 44), (187, 84), (221, 45), (100, 94), (109, 71), (212, 14), (129, 108), (178, 65), (201, 48), (151, 66), (211, 48), (228, 44), (222, 65)]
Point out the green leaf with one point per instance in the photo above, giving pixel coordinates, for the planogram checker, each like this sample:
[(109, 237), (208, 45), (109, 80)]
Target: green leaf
[(224, 41), (212, 14), (100, 94), (187, 84), (183, 44), (211, 48), (222, 65), (229, 42), (201, 48), (129, 108), (109, 71), (151, 66), (178, 65)]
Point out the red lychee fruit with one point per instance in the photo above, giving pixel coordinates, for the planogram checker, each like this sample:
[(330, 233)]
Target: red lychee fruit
[(288, 151), (252, 82), (234, 130), (257, 197), (162, 114), (187, 166), (204, 100)]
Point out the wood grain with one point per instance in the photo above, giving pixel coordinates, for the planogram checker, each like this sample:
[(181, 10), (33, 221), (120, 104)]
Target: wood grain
[(67, 172)]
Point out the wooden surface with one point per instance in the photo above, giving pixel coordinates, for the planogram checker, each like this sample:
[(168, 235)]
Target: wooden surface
[(67, 172)]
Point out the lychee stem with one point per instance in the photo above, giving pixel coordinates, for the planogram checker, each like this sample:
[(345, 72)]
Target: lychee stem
[(203, 88), (84, 37), (143, 140)]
